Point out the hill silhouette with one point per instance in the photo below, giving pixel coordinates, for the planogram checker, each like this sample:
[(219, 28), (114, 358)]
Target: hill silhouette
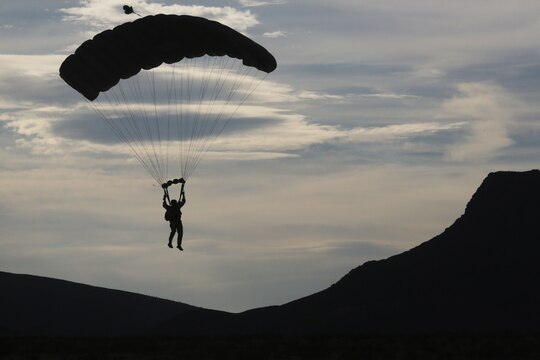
[(480, 274), (34, 305)]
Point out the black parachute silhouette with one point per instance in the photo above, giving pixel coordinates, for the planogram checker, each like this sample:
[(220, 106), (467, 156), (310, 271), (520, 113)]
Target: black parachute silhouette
[(128, 9), (167, 85)]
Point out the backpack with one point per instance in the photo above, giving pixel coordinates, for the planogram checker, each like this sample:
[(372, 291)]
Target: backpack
[(168, 215)]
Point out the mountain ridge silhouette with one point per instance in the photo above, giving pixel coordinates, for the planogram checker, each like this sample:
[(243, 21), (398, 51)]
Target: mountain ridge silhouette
[(43, 306), (468, 278), (477, 275)]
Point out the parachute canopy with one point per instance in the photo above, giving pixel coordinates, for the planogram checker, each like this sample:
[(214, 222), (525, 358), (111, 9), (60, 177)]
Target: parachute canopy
[(146, 43), (167, 86), (128, 9)]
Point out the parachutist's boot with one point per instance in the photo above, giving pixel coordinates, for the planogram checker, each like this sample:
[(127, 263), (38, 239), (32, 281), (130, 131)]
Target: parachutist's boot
[(180, 247), (170, 245)]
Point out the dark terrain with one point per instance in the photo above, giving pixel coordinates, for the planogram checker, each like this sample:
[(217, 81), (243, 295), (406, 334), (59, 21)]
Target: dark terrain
[(470, 291), (38, 306)]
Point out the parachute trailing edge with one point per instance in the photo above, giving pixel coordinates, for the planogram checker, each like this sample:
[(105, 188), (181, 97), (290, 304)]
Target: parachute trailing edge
[(99, 64)]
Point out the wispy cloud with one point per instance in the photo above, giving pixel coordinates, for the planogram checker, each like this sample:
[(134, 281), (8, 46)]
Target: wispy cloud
[(489, 111), (389, 96), (275, 34), (35, 66), (314, 95), (255, 3), (393, 132), (43, 129)]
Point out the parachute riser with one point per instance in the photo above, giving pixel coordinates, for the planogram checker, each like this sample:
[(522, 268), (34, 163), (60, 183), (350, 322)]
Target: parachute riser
[(169, 183)]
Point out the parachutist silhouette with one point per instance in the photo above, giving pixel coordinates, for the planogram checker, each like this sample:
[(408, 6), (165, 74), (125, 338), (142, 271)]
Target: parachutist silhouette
[(174, 216), (129, 10)]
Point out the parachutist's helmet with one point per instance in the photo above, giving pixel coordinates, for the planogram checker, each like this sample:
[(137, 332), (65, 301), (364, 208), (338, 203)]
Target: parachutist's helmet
[(173, 202)]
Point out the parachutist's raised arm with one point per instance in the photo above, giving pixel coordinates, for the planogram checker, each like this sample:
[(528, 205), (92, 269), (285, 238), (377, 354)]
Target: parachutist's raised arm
[(182, 198), (166, 199)]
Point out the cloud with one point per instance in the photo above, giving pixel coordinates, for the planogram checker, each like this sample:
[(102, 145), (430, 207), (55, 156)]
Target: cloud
[(314, 95), (393, 132), (489, 111), (37, 66), (389, 96), (295, 133), (275, 34), (102, 14), (256, 132), (264, 127), (255, 3)]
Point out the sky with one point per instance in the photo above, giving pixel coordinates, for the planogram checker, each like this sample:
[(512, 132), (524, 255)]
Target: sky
[(381, 120)]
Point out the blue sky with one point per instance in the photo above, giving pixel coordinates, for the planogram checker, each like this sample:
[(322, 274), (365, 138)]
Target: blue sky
[(385, 117)]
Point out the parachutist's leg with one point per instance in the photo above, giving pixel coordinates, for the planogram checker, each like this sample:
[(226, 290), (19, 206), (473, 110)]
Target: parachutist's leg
[(180, 229), (171, 235)]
